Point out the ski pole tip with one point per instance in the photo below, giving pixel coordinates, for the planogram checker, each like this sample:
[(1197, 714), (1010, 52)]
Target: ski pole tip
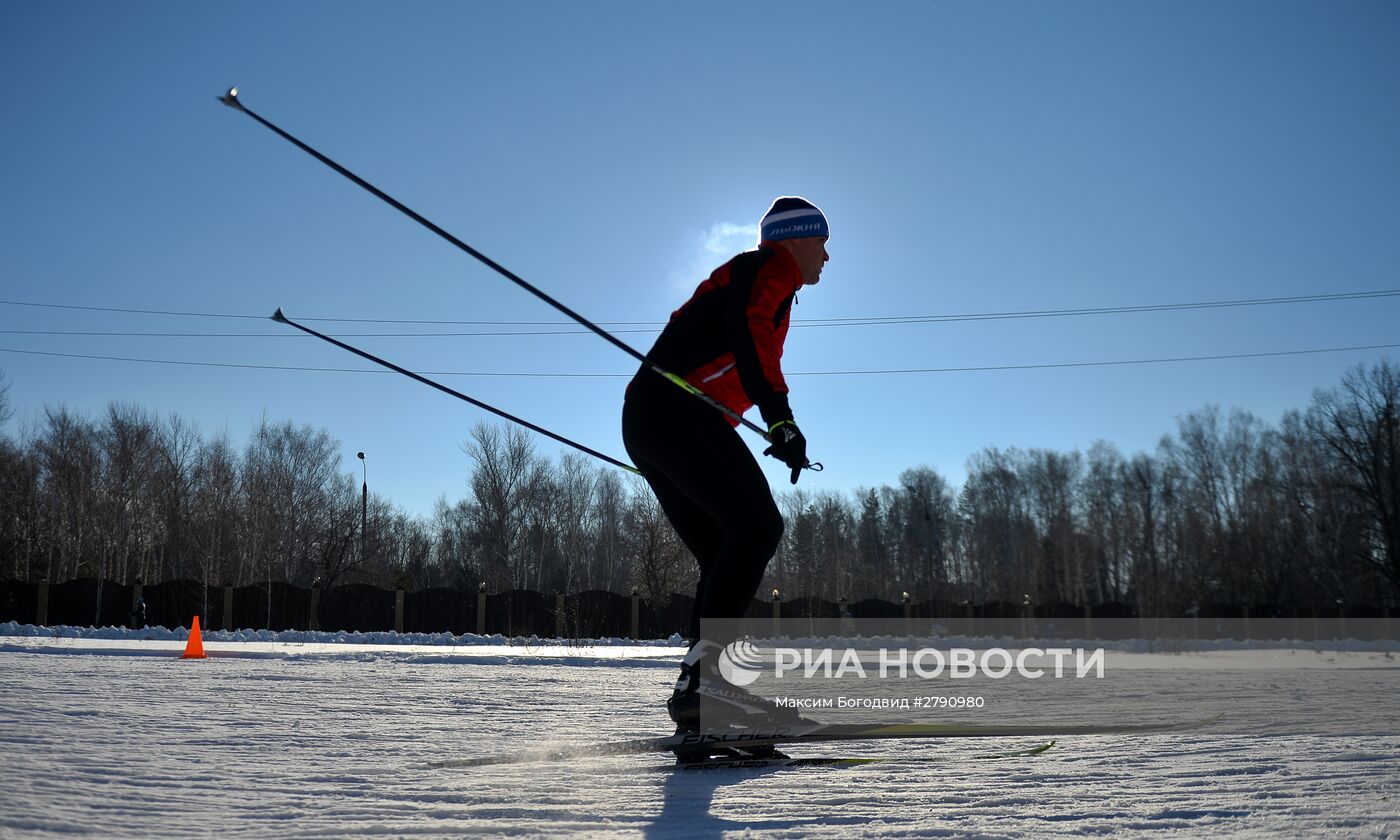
[(279, 317), (231, 98)]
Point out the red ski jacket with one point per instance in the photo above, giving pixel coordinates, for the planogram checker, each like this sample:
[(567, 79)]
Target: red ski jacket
[(727, 340)]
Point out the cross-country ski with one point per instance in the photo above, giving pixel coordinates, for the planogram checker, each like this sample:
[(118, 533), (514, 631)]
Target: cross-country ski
[(814, 733), (836, 762)]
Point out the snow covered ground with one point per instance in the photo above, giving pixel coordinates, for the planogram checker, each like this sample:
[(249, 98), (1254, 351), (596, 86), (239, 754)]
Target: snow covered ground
[(110, 734)]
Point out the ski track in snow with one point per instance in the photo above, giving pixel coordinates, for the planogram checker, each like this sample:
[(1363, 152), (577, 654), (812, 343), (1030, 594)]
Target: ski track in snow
[(304, 746)]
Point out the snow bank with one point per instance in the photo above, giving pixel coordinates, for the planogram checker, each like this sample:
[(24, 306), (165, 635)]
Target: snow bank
[(339, 637), (534, 644)]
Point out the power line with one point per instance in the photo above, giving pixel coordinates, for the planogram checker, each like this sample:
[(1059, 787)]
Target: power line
[(813, 322), (246, 366), (126, 311), (187, 363), (1046, 366), (873, 372), (1108, 310), (122, 334)]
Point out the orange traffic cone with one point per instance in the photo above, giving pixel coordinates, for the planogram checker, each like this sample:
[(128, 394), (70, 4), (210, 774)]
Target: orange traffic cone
[(194, 648)]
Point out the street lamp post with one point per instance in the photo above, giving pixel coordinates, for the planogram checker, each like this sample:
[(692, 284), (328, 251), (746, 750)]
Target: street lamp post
[(364, 501)]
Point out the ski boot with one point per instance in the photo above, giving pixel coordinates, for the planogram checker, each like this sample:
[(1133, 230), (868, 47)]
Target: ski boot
[(704, 700)]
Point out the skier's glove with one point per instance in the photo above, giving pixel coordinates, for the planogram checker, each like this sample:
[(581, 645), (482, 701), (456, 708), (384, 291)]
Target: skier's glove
[(788, 446)]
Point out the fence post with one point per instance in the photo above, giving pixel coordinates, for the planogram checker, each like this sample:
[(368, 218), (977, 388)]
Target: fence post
[(398, 610), (42, 619), (559, 615), (228, 606), (777, 614), (481, 609), (636, 615)]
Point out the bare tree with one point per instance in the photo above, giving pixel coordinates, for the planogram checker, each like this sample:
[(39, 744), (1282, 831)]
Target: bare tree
[(19, 508), (927, 530), (835, 547), (873, 553), (69, 462), (1105, 522), (1329, 534), (1052, 484), (1206, 507), (402, 547), (127, 442), (1359, 423), (998, 529), (793, 569), (573, 516), (301, 512), (1141, 482), (178, 449), (215, 512), (652, 546), (605, 569), (456, 554), (507, 486)]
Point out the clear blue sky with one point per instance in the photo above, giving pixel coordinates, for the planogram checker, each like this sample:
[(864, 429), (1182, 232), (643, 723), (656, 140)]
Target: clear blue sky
[(971, 157)]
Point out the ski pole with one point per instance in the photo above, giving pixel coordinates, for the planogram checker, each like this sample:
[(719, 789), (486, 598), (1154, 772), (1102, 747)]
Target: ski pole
[(231, 99), (283, 319)]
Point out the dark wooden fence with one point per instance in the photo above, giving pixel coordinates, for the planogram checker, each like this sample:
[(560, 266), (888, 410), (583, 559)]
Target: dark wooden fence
[(594, 614)]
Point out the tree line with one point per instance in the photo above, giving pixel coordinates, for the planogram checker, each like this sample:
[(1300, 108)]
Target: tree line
[(1227, 509)]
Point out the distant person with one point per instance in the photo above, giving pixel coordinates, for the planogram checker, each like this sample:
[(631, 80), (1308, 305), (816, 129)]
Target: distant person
[(726, 340), (138, 615)]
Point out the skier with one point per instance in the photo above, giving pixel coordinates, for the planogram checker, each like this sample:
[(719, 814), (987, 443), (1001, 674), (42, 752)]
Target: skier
[(726, 340)]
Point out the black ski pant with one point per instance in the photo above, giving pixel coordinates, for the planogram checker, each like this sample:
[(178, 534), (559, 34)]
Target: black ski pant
[(710, 487)]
